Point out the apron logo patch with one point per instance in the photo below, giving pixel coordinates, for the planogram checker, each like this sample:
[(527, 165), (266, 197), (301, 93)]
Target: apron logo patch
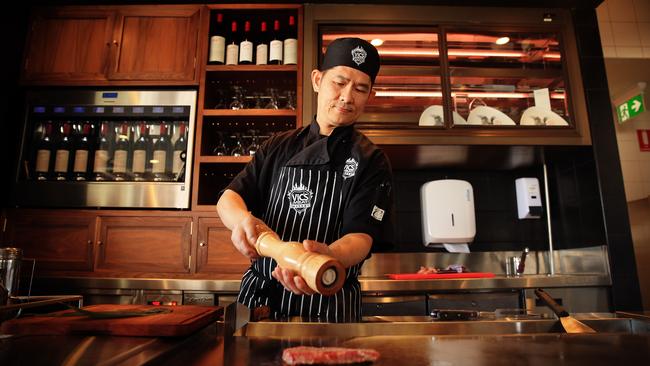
[(350, 168), (300, 198), (377, 213)]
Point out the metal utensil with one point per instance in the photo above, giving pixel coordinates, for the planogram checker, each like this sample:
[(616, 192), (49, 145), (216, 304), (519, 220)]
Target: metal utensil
[(569, 323), (522, 262)]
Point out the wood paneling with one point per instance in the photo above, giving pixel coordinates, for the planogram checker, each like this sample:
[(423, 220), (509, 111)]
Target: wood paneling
[(144, 244), (215, 250)]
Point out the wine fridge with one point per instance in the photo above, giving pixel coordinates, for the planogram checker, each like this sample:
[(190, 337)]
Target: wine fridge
[(99, 148)]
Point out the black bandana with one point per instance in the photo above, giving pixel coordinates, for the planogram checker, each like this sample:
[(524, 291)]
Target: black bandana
[(352, 52)]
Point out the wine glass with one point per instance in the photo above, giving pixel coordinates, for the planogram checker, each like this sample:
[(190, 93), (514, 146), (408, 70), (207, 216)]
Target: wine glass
[(238, 150), (291, 100), (220, 148), (273, 96), (237, 98), (254, 146)]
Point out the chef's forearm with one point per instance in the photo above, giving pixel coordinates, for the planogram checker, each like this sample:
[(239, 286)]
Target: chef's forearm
[(351, 248), (231, 209)]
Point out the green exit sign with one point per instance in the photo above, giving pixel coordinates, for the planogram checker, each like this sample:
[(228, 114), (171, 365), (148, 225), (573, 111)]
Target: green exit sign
[(630, 108)]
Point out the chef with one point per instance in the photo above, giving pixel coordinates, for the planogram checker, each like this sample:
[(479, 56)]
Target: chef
[(324, 185)]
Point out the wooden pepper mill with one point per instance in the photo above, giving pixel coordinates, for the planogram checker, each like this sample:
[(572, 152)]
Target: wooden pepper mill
[(322, 273)]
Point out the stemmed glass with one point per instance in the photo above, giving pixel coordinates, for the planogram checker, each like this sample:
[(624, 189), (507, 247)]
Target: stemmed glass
[(254, 146), (220, 149), (273, 102), (291, 100), (237, 98), (238, 150)]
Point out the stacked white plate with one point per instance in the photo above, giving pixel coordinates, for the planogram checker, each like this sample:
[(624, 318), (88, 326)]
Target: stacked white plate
[(535, 116), (434, 116), (484, 115)]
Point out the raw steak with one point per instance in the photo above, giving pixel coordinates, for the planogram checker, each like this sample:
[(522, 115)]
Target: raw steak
[(327, 355)]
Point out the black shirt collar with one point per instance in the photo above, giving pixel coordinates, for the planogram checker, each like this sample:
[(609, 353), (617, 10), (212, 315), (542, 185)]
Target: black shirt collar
[(316, 148)]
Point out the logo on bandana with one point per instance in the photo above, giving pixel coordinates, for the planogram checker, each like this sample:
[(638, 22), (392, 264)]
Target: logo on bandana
[(300, 198), (359, 55), (350, 168)]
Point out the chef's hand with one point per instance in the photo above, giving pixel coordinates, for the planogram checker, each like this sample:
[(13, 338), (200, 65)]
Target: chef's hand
[(244, 235), (291, 280)]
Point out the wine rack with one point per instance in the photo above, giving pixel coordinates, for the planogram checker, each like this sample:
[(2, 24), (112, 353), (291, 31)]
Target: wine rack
[(242, 105)]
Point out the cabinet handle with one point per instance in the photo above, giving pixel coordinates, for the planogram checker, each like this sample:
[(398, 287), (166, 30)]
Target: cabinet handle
[(99, 242), (115, 42), (202, 244), (90, 242)]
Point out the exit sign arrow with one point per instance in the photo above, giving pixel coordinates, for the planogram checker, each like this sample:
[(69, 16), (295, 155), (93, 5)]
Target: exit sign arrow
[(636, 105)]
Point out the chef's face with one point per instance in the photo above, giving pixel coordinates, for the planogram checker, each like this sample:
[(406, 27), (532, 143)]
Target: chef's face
[(342, 95)]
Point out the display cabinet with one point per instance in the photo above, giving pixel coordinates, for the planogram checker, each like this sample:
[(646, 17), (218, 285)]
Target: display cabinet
[(243, 100), (453, 76)]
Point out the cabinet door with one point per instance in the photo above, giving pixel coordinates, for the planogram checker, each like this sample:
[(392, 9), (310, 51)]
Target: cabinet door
[(68, 44), (156, 43), (144, 244), (215, 253), (56, 240)]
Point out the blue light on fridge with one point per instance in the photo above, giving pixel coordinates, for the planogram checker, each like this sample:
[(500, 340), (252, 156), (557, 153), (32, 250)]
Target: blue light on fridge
[(109, 95), (138, 109), (178, 109), (158, 109), (39, 109), (98, 109), (79, 109), (118, 109), (59, 109)]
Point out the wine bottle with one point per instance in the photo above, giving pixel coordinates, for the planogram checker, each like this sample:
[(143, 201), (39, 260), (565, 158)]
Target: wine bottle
[(232, 51), (160, 150), (180, 151), (218, 42), (275, 46), (141, 149), (262, 49), (121, 154), (246, 46), (80, 166), (62, 158), (101, 168), (291, 43), (43, 153)]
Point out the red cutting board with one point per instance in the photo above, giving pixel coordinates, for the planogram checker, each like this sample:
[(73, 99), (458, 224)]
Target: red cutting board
[(181, 321), (438, 276)]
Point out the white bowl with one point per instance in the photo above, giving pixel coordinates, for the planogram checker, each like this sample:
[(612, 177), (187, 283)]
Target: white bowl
[(434, 116), (536, 116), (484, 115)]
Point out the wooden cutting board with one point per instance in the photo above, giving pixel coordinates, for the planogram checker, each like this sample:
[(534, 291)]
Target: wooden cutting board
[(438, 276), (181, 321)]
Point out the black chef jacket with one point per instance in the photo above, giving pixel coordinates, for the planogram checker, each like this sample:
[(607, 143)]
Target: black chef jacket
[(307, 186)]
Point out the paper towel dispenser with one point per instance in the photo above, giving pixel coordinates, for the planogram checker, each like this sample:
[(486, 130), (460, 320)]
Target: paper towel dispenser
[(447, 212)]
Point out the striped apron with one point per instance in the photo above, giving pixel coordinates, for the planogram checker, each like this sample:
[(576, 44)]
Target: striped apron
[(305, 202)]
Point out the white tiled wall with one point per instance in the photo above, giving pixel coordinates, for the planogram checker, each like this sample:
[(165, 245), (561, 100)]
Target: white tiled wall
[(634, 163), (625, 28)]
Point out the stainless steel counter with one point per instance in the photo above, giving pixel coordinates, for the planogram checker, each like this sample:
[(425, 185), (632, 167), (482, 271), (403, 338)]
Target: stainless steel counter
[(368, 284)]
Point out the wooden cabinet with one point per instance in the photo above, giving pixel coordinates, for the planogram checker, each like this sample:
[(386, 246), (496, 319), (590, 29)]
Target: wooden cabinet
[(112, 45), (63, 241), (144, 244), (215, 252), (69, 44)]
